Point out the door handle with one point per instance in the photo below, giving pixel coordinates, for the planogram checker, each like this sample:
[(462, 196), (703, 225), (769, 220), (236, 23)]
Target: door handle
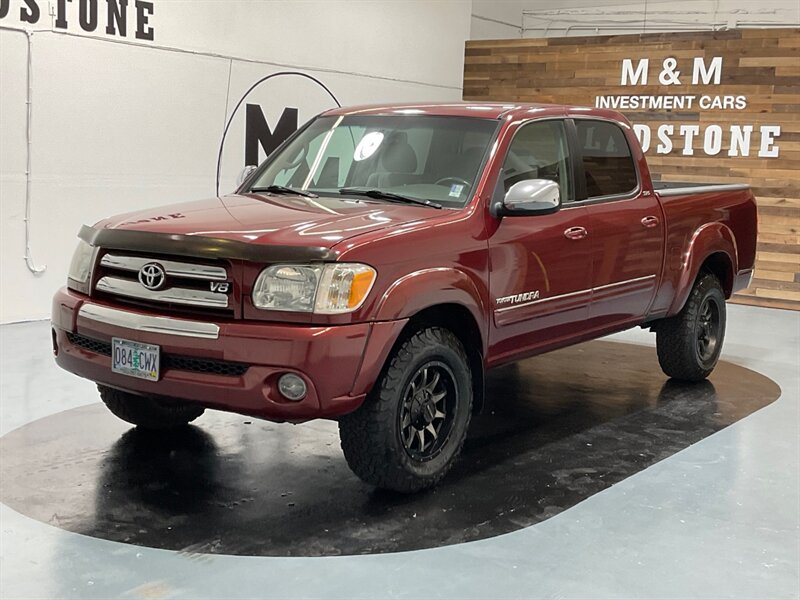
[(576, 233), (650, 222)]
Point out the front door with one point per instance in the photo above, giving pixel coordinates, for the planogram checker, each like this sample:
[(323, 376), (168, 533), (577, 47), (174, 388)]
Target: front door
[(540, 266)]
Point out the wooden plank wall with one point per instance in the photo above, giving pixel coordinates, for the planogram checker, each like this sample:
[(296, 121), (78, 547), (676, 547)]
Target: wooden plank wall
[(761, 64)]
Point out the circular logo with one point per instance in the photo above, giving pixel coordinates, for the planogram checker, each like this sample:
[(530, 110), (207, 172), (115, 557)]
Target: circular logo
[(275, 105), (152, 276), (368, 145)]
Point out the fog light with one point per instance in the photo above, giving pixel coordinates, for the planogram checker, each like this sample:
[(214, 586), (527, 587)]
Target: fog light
[(292, 387)]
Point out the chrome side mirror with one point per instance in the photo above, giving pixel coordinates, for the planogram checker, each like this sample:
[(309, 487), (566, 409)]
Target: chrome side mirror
[(244, 174), (530, 197)]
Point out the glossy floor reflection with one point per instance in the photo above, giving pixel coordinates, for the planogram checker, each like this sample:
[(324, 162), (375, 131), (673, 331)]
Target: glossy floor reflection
[(561, 428)]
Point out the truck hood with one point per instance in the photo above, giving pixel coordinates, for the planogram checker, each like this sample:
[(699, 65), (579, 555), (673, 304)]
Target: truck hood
[(272, 220)]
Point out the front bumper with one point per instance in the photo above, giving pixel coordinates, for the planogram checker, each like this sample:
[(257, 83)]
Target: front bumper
[(339, 363)]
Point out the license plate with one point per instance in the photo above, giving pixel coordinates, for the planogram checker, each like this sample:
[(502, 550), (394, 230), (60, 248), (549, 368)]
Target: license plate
[(135, 359)]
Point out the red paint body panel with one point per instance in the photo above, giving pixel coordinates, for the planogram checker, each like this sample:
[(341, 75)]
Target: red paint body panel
[(262, 219), (637, 263), (720, 222), (328, 358), (533, 255)]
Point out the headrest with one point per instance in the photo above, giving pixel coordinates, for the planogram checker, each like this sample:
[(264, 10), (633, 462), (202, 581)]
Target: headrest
[(472, 156), (398, 156)]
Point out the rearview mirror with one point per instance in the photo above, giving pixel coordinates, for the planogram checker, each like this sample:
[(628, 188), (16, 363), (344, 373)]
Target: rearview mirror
[(244, 174), (530, 197)]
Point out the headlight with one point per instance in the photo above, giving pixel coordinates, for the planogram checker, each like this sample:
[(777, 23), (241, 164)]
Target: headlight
[(287, 287), (343, 288), (324, 289), (80, 269)]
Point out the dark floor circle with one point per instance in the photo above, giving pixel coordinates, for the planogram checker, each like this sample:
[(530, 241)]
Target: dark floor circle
[(562, 427)]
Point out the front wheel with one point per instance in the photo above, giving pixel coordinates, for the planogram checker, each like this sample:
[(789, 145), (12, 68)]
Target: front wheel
[(689, 344), (148, 412), (411, 428)]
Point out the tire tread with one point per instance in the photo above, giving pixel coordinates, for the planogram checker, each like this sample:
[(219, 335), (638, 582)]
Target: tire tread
[(365, 433), (675, 336), (148, 412)]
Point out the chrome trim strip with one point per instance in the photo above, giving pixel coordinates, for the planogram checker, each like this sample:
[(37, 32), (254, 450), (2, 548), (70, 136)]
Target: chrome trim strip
[(626, 282), (171, 267), (133, 289), (164, 325), (702, 189), (561, 296), (586, 291)]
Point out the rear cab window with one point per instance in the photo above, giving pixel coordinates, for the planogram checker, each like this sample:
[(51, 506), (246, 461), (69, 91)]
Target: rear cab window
[(607, 160)]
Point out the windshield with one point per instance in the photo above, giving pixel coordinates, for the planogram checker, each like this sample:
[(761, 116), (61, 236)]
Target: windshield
[(420, 157)]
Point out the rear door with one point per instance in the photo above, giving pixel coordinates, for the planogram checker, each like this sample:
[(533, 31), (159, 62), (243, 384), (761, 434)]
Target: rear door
[(540, 276), (625, 221)]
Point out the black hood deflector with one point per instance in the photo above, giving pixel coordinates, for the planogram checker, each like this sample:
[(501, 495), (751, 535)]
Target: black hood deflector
[(197, 246)]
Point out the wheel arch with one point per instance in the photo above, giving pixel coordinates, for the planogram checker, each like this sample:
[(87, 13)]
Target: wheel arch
[(712, 249), (454, 317), (720, 265), (447, 297), (457, 319)]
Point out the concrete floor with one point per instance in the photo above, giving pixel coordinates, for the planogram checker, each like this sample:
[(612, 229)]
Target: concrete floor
[(719, 519)]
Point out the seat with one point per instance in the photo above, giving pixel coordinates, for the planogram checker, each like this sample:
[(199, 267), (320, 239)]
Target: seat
[(465, 165), (398, 161)]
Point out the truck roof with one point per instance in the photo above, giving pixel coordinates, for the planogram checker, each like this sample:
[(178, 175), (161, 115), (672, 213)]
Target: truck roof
[(487, 110)]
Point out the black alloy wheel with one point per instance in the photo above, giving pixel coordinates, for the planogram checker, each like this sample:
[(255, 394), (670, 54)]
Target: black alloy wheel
[(426, 415), (707, 328)]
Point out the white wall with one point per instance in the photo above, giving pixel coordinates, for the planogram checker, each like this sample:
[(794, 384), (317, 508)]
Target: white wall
[(121, 126), (495, 19)]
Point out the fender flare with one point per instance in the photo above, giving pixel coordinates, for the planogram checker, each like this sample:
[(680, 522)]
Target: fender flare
[(708, 239), (430, 287)]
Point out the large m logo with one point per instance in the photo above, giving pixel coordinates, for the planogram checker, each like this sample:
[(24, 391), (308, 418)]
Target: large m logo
[(258, 132)]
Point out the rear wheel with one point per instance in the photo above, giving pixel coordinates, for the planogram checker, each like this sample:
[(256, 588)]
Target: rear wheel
[(689, 344), (408, 433), (148, 412)]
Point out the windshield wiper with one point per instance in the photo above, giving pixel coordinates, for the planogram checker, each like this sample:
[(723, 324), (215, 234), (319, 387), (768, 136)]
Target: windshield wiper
[(392, 197), (282, 189)]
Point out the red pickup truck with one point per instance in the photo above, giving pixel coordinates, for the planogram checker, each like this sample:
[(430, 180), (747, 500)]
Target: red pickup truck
[(383, 258)]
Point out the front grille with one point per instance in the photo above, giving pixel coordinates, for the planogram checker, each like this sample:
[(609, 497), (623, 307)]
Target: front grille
[(172, 283), (168, 361), (95, 346), (204, 365)]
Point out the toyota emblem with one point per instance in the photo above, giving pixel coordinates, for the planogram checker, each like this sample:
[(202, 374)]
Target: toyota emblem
[(152, 276)]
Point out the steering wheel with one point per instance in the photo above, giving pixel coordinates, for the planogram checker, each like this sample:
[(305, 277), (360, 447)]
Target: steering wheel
[(443, 181)]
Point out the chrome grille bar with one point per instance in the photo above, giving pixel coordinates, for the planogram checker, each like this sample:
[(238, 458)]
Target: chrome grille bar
[(171, 267), (165, 325), (189, 297)]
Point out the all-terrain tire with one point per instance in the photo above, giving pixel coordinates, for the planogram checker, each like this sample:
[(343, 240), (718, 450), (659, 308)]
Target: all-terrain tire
[(375, 438), (148, 412), (689, 343)]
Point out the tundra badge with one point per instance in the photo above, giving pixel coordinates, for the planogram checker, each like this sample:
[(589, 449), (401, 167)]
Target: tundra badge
[(517, 298)]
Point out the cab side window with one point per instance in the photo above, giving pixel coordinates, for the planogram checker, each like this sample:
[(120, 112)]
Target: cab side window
[(607, 159), (539, 150)]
